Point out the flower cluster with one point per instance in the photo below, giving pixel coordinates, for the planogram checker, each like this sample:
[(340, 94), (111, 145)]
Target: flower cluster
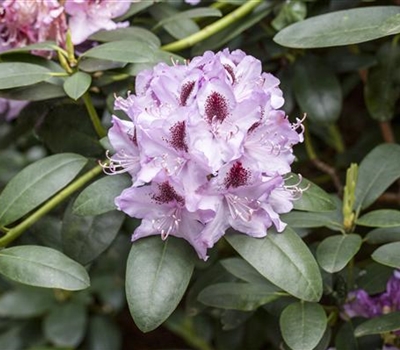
[(361, 304), (28, 22), (207, 148)]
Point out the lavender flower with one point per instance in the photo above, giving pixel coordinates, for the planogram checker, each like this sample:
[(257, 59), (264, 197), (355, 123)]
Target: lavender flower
[(28, 22), (360, 304), (207, 148), (9, 109), (89, 16)]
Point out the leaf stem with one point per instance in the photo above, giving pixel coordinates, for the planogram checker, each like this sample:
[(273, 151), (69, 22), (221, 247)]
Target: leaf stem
[(336, 138), (93, 115), (213, 28), (16, 231)]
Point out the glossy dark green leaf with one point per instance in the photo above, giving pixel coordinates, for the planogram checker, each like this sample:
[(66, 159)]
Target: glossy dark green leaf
[(179, 29), (317, 90), (310, 219), (241, 269), (92, 65), (84, 238), (61, 133), (11, 338), (43, 46), (376, 173), (188, 14), (383, 235), (303, 325), (98, 198), (378, 325), (157, 275), (36, 92), (313, 198), (290, 12), (345, 339), (103, 334), (135, 8), (123, 51), (77, 84), (284, 260), (342, 27), (388, 254), (36, 183), (382, 88), (380, 218), (238, 296), (42, 267), (233, 31), (26, 302), (334, 252), (373, 278), (130, 33), (65, 325), (15, 74)]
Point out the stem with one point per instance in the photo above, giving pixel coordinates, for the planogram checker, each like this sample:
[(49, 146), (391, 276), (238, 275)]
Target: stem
[(213, 28), (93, 115), (16, 231), (387, 132), (336, 138)]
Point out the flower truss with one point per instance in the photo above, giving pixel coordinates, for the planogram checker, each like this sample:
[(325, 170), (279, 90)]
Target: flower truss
[(207, 148), (360, 304)]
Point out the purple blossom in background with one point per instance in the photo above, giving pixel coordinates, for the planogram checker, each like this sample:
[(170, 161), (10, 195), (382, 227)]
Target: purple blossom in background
[(27, 22), (360, 304), (89, 16), (192, 2), (207, 148), (9, 109)]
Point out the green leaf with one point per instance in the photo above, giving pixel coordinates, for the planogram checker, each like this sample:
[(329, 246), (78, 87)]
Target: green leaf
[(313, 198), (345, 339), (383, 235), (376, 173), (42, 267), (157, 275), (381, 324), (36, 183), (129, 33), (380, 218), (77, 84), (317, 90), (124, 51), (298, 219), (241, 269), (284, 260), (237, 296), (179, 29), (303, 325), (26, 302), (36, 92), (65, 325), (382, 88), (388, 254), (103, 334), (342, 28), (98, 197), (43, 46), (14, 74), (289, 13), (84, 238), (374, 277), (334, 252), (199, 12)]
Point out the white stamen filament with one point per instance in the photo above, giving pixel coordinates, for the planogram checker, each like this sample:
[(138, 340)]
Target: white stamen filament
[(119, 163), (241, 207), (168, 224)]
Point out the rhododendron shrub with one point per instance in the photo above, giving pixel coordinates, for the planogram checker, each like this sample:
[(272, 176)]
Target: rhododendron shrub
[(224, 172)]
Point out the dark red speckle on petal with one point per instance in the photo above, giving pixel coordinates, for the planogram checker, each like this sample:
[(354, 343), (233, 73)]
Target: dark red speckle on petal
[(187, 88), (178, 136), (231, 73), (237, 176), (167, 194), (216, 107)]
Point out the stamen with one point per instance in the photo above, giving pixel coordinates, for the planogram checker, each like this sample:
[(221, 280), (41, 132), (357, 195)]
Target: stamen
[(241, 208), (299, 123), (120, 165), (295, 190), (168, 224)]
